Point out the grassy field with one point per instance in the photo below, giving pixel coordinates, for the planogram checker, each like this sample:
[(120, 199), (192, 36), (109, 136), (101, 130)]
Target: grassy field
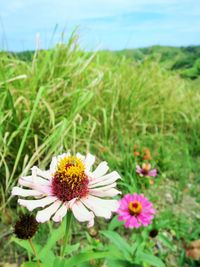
[(105, 103)]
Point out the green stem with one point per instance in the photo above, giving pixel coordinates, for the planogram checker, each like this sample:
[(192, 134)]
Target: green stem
[(34, 251), (67, 231)]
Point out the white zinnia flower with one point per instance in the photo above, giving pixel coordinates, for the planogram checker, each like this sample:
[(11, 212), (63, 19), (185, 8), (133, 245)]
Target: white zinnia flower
[(70, 183)]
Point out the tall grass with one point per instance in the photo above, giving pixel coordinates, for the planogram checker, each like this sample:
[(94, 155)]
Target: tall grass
[(65, 98)]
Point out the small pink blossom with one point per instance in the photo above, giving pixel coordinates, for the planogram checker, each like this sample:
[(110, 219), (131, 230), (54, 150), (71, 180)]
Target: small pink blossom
[(135, 210), (146, 170)]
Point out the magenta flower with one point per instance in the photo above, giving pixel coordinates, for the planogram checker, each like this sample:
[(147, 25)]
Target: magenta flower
[(146, 170), (136, 211)]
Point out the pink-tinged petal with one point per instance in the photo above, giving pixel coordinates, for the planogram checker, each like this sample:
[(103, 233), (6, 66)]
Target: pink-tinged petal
[(106, 204), (123, 212), (71, 202), (37, 172), (127, 222), (145, 216), (128, 198), (101, 169), (18, 191), (141, 199), (82, 214), (33, 204), (102, 193), (134, 223), (106, 187), (124, 217), (53, 165), (138, 169), (105, 180), (29, 181), (55, 161), (60, 213), (45, 214), (46, 190), (98, 210), (90, 223), (152, 173), (123, 205), (89, 161)]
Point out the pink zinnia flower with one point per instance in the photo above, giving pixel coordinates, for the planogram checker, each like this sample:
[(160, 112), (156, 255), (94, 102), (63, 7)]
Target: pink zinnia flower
[(146, 170), (70, 183), (136, 211)]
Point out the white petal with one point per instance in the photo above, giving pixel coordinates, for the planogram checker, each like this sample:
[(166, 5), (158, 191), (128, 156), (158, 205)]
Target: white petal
[(59, 157), (71, 202), (104, 188), (44, 174), (104, 180), (18, 191), (45, 215), (107, 204), (25, 183), (60, 213), (53, 165), (55, 161), (96, 208), (89, 161), (105, 193), (33, 204), (101, 169), (81, 213), (29, 180), (80, 156), (42, 187)]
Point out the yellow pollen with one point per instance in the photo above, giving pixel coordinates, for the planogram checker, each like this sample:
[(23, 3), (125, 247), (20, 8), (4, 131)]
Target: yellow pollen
[(71, 169), (135, 207)]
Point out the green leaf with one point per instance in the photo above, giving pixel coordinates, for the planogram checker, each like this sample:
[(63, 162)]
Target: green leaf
[(120, 243), (25, 244), (71, 248), (166, 242), (87, 256), (32, 264), (150, 259), (57, 262), (56, 235), (114, 224), (120, 263)]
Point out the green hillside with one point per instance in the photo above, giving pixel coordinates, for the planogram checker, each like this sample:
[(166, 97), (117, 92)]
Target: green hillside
[(185, 60)]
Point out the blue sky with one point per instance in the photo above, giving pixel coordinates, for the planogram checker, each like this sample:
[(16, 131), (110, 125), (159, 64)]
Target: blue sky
[(103, 24)]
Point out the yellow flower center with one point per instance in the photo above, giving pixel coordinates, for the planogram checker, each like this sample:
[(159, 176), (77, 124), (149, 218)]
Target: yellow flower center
[(135, 207), (146, 166), (69, 180), (70, 169)]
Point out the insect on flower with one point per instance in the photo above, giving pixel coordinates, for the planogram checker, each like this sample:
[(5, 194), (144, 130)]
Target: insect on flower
[(146, 170), (136, 211), (70, 183)]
